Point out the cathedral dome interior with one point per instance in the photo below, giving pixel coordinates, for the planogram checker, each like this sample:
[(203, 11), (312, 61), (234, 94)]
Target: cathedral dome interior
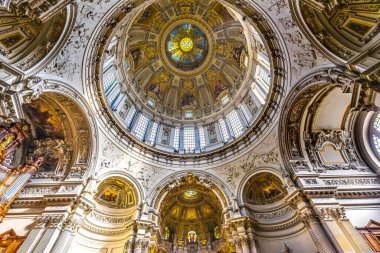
[(187, 68), (189, 126)]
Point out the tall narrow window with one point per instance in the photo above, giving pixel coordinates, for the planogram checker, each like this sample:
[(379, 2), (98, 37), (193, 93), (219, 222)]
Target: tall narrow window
[(223, 130), (114, 95), (202, 139), (189, 139), (153, 133), (245, 113), (130, 119), (116, 102), (236, 126), (141, 127), (108, 81), (263, 74), (261, 86), (176, 139)]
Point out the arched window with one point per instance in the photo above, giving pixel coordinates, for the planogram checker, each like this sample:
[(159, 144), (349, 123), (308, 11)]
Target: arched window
[(217, 232), (167, 234), (192, 237)]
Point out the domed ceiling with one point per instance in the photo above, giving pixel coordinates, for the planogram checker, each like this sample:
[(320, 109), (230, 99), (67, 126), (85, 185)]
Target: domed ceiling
[(188, 77), (190, 207), (187, 59)]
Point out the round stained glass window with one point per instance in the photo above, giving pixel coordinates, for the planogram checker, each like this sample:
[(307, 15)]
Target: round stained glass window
[(186, 47), (186, 44)]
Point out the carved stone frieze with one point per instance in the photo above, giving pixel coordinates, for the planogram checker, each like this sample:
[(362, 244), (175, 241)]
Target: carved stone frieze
[(352, 181), (272, 215), (105, 231), (109, 219), (38, 191), (310, 181), (279, 226)]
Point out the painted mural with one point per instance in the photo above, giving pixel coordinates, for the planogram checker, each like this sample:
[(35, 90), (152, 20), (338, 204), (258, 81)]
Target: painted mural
[(44, 120), (47, 131)]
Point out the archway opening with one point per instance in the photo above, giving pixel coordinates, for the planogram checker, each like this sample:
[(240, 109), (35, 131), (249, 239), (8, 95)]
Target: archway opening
[(191, 218)]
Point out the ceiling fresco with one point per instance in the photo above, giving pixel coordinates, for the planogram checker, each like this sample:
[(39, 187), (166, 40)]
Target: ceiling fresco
[(192, 56)]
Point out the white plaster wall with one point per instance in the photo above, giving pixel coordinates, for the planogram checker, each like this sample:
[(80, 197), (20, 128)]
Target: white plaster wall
[(109, 244), (332, 110), (75, 248), (21, 225), (301, 243)]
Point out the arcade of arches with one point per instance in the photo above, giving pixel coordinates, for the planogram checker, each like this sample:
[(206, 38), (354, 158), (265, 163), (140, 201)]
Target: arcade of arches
[(189, 126)]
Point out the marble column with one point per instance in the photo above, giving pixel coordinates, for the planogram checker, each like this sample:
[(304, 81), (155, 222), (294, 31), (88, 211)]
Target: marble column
[(48, 240), (238, 245), (318, 235), (245, 245), (251, 239), (314, 221), (34, 237), (66, 237), (345, 232), (31, 241)]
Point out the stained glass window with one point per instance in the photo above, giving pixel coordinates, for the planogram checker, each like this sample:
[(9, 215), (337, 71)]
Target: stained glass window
[(189, 139), (151, 102), (189, 115), (167, 233), (153, 133), (263, 74), (192, 237), (216, 232), (187, 46), (223, 130), (130, 119), (376, 123), (202, 139), (141, 127), (236, 126), (176, 139), (108, 81), (375, 132)]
